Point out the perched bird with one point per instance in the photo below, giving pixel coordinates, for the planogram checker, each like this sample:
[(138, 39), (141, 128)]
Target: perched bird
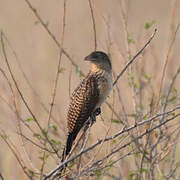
[(88, 96)]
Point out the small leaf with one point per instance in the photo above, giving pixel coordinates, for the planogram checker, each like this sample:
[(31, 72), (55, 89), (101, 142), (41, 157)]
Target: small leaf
[(53, 127), (55, 142), (143, 170), (71, 164), (44, 132), (111, 162), (116, 121), (47, 23), (38, 136), (61, 70), (132, 115), (130, 38), (148, 25), (114, 141), (36, 22), (28, 120), (98, 173), (78, 72), (147, 77), (135, 85), (31, 172)]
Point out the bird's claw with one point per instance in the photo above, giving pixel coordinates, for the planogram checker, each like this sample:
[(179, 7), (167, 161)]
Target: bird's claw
[(97, 111)]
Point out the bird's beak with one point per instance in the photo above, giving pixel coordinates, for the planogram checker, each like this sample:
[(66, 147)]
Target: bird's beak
[(87, 58)]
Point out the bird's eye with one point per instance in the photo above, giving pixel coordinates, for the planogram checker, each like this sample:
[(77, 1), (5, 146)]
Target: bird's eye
[(95, 56)]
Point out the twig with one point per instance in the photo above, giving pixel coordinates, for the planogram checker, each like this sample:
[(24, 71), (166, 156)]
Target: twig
[(1, 177), (26, 78), (94, 24), (166, 61), (55, 83), (131, 61), (116, 135), (14, 151), (51, 34), (21, 95)]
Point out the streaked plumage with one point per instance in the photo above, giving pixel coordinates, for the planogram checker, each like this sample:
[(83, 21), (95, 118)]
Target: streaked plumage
[(88, 96)]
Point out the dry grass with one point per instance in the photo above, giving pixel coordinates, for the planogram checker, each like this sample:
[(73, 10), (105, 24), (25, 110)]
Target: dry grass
[(148, 88)]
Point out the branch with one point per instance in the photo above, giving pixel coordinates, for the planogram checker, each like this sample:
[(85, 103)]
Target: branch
[(116, 135), (94, 25), (132, 60), (51, 34)]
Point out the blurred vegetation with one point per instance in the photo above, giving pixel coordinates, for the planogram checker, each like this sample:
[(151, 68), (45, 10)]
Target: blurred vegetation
[(136, 136)]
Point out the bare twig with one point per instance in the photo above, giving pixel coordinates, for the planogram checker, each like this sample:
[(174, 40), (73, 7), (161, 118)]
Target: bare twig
[(166, 61), (94, 24), (14, 151), (116, 135), (131, 61), (1, 177), (51, 34), (21, 95), (56, 82)]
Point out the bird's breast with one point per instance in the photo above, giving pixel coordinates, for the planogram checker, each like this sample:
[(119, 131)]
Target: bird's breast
[(104, 82)]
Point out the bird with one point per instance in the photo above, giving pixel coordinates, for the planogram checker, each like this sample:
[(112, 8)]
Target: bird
[(87, 98)]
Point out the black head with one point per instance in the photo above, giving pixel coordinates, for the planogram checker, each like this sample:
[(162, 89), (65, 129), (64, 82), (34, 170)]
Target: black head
[(99, 58)]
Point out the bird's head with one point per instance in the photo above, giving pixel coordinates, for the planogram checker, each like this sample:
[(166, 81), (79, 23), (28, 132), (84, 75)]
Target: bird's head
[(99, 61)]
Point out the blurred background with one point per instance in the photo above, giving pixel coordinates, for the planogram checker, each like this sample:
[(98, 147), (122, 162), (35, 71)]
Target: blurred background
[(122, 28)]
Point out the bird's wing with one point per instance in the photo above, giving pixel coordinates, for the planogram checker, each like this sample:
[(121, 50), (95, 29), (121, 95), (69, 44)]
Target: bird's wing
[(83, 103)]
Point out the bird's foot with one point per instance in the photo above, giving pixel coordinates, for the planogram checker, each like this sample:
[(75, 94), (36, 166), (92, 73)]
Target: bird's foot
[(92, 119), (97, 111)]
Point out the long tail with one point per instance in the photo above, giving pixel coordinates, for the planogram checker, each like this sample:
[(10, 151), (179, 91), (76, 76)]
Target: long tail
[(70, 139)]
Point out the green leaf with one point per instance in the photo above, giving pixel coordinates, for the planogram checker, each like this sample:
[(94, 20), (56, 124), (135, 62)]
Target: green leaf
[(36, 22), (31, 172), (53, 127), (114, 141), (71, 164), (47, 24), (55, 142), (143, 170), (44, 157), (61, 70), (130, 38), (78, 72), (116, 121), (147, 77), (148, 25), (98, 173), (135, 85), (172, 100), (111, 162), (28, 120), (132, 115), (44, 132), (37, 135)]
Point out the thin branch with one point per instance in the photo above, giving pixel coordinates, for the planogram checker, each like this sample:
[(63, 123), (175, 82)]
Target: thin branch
[(15, 82), (1, 177), (55, 83), (14, 151), (21, 95), (132, 60), (26, 78), (94, 24), (116, 135), (51, 34), (166, 61)]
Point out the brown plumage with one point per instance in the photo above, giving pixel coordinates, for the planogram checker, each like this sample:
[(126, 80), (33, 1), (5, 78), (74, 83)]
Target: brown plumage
[(88, 96)]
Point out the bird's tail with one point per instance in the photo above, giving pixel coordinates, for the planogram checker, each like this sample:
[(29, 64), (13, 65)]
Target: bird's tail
[(70, 139)]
